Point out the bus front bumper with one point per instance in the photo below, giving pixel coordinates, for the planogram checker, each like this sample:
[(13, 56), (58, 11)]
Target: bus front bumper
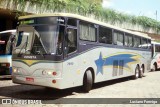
[(39, 81)]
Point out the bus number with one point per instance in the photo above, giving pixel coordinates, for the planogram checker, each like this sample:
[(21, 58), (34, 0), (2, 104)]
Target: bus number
[(70, 63)]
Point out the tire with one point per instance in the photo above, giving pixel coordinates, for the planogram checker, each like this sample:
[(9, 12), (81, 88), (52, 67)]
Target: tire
[(136, 74), (87, 81), (141, 72), (155, 67)]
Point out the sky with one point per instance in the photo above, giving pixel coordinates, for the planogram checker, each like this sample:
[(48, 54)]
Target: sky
[(147, 8)]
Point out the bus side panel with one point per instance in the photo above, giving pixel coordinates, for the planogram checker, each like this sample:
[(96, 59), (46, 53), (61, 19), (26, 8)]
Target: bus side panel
[(107, 63), (5, 64)]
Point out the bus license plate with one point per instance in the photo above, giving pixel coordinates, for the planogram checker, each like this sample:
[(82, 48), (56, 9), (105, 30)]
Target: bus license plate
[(29, 79)]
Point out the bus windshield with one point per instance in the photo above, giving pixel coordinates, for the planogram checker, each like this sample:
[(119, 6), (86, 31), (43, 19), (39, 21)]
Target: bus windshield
[(42, 39)]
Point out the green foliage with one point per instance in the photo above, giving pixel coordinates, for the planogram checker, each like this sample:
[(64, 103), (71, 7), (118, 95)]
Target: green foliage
[(87, 8)]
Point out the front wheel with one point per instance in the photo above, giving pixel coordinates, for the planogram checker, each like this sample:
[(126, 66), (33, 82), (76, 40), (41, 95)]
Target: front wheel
[(87, 81)]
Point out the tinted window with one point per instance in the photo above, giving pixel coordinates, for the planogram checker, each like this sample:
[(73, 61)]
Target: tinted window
[(118, 38), (72, 22), (105, 35), (128, 40), (137, 42), (157, 48), (149, 44), (87, 31), (144, 43)]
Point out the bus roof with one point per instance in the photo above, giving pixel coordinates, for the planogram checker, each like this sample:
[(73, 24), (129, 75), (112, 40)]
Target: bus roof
[(7, 31), (85, 19)]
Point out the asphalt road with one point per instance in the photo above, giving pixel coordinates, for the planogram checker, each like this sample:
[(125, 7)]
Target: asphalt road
[(146, 87)]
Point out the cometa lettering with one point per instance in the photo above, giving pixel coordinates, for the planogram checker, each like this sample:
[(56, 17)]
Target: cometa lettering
[(30, 57)]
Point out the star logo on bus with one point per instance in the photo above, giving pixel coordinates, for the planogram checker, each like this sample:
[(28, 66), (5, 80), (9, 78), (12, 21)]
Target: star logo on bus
[(99, 63)]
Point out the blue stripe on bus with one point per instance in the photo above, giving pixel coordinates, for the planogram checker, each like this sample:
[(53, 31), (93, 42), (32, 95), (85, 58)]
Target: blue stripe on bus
[(126, 58)]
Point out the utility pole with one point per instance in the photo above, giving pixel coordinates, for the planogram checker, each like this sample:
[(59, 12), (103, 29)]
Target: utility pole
[(156, 23)]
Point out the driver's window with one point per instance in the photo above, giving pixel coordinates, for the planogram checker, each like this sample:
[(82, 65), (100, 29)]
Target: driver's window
[(71, 40)]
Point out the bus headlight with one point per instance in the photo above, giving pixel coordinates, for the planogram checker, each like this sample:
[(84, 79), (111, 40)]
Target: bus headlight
[(50, 73), (14, 70), (46, 72)]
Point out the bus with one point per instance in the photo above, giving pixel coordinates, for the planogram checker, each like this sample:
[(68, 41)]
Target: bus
[(6, 52), (155, 63), (64, 50)]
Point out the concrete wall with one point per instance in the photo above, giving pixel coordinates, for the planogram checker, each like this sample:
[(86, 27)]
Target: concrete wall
[(8, 4)]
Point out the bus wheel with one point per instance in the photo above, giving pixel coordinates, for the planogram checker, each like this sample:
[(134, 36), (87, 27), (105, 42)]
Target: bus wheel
[(87, 81), (154, 67), (136, 75), (141, 72)]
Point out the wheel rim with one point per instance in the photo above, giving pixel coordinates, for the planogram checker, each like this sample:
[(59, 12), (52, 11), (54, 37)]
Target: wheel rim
[(142, 72), (137, 73)]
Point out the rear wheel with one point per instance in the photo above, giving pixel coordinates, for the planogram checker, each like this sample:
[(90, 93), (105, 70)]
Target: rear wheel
[(87, 81), (136, 75), (154, 67), (141, 72)]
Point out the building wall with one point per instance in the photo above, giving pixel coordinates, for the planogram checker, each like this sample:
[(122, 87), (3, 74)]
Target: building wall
[(34, 9), (8, 19)]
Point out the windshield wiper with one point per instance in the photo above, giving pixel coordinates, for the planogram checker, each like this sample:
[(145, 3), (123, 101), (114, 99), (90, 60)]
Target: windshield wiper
[(39, 38), (40, 53), (24, 46)]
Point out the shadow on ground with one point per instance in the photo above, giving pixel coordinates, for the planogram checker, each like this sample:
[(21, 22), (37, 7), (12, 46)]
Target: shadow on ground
[(41, 93)]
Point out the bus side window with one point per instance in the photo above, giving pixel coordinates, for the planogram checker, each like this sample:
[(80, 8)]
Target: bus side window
[(105, 35), (149, 44), (137, 42), (72, 22), (144, 43), (71, 40), (118, 38), (128, 40), (87, 32)]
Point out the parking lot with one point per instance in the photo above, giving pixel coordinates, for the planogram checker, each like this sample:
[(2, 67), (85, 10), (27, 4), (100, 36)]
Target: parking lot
[(146, 87)]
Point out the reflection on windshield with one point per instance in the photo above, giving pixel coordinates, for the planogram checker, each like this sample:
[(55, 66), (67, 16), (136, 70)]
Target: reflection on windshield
[(48, 35), (45, 39), (23, 42)]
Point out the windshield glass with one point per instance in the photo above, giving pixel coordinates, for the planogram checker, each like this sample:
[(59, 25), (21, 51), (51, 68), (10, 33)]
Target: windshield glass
[(48, 37), (42, 39), (23, 40)]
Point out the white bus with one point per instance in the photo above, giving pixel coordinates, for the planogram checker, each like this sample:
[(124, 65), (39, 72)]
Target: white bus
[(155, 63), (66, 50), (6, 52)]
